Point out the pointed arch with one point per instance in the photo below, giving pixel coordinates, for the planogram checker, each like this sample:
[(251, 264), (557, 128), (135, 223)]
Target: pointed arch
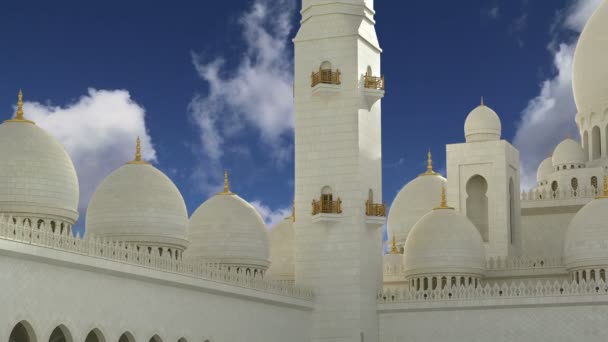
[(23, 332), (586, 143), (95, 335), (511, 216), (156, 338), (477, 204), (126, 337), (61, 334)]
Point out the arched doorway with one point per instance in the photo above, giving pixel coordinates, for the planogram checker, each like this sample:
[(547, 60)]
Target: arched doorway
[(512, 216), (95, 336), (61, 334), (586, 144), (477, 204), (22, 332)]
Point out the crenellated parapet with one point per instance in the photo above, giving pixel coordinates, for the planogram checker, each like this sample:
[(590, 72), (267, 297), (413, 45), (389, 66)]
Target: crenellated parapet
[(129, 253), (583, 192)]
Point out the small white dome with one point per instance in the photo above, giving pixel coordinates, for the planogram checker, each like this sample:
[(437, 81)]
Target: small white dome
[(227, 230), (590, 70), (544, 169), (586, 242), (444, 242), (412, 202), (568, 152), (282, 252), (140, 204), (482, 124), (37, 176)]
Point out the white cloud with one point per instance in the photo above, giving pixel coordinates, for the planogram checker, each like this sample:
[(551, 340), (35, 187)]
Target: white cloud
[(98, 131), (271, 217), (549, 117), (257, 94)]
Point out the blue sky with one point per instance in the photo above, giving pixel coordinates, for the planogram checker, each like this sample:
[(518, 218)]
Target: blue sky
[(208, 84)]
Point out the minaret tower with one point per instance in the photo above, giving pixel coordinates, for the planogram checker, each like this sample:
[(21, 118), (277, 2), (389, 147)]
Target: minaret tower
[(337, 90)]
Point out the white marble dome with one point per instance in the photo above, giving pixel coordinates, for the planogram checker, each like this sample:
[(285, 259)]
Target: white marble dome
[(590, 70), (138, 203), (413, 201), (228, 230), (544, 169), (567, 153), (444, 242), (586, 242), (37, 176), (482, 124), (282, 263)]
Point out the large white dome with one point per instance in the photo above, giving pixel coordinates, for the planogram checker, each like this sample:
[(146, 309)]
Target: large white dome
[(568, 153), (544, 169), (590, 70), (444, 242), (413, 201), (282, 266), (140, 204), (482, 124), (37, 176), (227, 230), (586, 242)]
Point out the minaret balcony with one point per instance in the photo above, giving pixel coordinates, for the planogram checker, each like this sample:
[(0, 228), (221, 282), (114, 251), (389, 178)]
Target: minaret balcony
[(325, 82), (375, 214), (373, 89), (326, 210)]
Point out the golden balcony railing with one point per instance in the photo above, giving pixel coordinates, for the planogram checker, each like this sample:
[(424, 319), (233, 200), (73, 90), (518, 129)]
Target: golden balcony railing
[(326, 76), (326, 206), (378, 210), (373, 82)]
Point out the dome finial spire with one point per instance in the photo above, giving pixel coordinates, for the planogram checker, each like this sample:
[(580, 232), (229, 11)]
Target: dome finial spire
[(394, 249), (444, 201), (138, 159), (226, 185), (19, 116), (482, 103), (429, 165)]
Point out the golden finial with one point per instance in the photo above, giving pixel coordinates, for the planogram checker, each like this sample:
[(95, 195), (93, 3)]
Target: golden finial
[(605, 189), (429, 165), (444, 200), (138, 159), (568, 136), (226, 185), (482, 104), (394, 249), (19, 116)]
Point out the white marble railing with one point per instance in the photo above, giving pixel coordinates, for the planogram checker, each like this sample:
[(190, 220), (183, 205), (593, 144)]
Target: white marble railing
[(496, 264), (128, 253), (544, 195), (514, 290)]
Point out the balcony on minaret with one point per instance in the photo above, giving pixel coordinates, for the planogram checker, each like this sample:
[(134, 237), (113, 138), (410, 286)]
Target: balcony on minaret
[(325, 82), (373, 88), (326, 209), (375, 214)]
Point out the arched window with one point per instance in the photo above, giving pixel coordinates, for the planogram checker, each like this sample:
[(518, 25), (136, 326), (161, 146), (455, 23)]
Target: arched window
[(183, 339), (368, 72), (95, 336), (596, 143), (511, 209), (477, 204), (594, 184), (554, 188), (574, 185), (22, 332), (61, 334), (586, 144)]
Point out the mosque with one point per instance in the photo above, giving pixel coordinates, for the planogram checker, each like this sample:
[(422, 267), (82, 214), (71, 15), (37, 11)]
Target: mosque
[(472, 256)]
